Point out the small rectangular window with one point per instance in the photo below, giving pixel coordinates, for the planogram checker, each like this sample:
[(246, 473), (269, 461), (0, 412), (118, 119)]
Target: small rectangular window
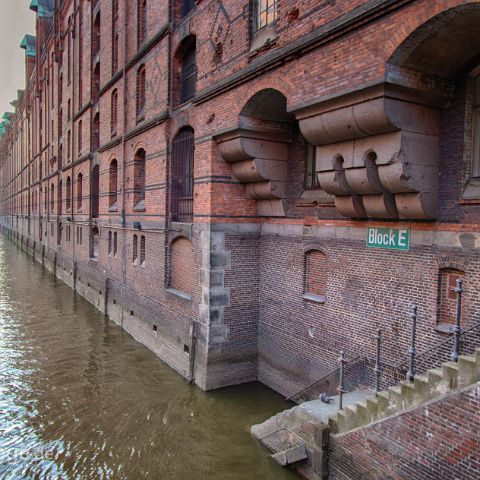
[(115, 244), (110, 242)]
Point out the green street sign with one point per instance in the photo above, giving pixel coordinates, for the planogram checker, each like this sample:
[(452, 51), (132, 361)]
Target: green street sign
[(389, 238)]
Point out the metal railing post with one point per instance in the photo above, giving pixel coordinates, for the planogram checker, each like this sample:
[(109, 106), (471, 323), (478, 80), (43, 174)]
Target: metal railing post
[(341, 387), (378, 338), (411, 348), (457, 330)]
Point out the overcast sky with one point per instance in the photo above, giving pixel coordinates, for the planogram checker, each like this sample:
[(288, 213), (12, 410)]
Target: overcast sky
[(16, 19)]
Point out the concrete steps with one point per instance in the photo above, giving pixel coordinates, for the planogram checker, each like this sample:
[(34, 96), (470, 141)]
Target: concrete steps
[(406, 395)]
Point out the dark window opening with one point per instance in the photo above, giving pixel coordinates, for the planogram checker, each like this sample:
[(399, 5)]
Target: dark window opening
[(95, 187), (181, 182)]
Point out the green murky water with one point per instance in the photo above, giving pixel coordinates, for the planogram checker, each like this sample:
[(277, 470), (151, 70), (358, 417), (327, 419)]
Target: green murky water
[(80, 399)]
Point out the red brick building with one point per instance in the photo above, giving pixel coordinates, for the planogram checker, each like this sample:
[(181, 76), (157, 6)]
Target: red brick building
[(206, 173)]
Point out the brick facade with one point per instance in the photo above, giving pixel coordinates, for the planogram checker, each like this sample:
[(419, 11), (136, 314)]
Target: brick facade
[(222, 293)]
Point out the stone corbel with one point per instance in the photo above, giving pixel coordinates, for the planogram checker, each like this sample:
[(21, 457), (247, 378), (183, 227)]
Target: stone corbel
[(377, 155), (259, 159)]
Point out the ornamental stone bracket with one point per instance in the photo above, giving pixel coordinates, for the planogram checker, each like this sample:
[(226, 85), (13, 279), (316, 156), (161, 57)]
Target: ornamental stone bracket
[(259, 159), (377, 152)]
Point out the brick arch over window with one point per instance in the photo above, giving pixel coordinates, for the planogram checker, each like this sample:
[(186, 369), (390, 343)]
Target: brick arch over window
[(181, 177), (182, 265), (447, 298), (315, 275)]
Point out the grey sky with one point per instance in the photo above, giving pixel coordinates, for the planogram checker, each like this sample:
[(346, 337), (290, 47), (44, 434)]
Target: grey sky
[(16, 19)]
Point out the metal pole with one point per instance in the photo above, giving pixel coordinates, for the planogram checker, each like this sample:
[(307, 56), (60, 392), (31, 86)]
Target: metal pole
[(341, 387), (411, 348), (457, 330), (378, 338)]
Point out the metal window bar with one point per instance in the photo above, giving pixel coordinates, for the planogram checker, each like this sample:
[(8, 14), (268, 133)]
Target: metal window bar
[(181, 184), (266, 13), (188, 76)]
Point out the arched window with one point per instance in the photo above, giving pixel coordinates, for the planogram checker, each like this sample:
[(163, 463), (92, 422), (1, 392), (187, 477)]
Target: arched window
[(60, 198), (141, 92), (188, 72), (79, 139), (96, 35), (181, 178), (110, 242), (447, 298), (114, 112), (52, 198), (95, 191), (266, 12), (141, 22), (96, 82), (115, 244), (139, 178), (112, 180), (315, 275), (142, 250), (114, 53), (79, 191), (60, 123), (181, 265), (96, 132), (69, 193), (135, 249), (69, 144)]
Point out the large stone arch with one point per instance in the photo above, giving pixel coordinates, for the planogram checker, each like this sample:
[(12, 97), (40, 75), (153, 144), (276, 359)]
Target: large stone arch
[(258, 149), (378, 148)]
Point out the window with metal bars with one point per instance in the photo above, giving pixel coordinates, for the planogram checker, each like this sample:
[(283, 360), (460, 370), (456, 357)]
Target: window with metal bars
[(266, 13), (181, 180), (142, 250), (114, 113), (69, 193), (113, 176), (141, 93), (139, 178), (188, 75), (135, 249), (79, 139), (79, 191), (96, 133), (311, 179), (141, 22), (95, 189)]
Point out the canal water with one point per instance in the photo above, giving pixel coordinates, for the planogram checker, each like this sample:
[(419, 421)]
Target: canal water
[(80, 399)]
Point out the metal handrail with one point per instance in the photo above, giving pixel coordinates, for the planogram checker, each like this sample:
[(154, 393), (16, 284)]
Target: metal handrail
[(324, 377), (404, 362)]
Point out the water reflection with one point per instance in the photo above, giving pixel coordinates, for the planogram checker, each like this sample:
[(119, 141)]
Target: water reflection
[(80, 399)]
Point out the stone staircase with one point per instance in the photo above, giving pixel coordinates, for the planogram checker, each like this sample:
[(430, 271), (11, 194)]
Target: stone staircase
[(297, 429), (406, 395)]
